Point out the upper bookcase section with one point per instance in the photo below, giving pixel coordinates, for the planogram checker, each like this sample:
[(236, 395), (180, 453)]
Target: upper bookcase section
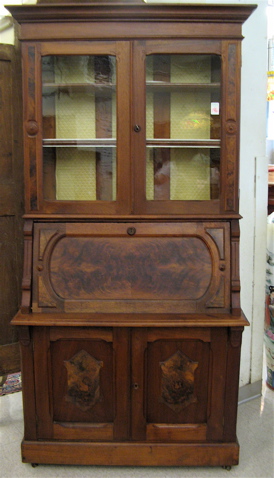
[(131, 109)]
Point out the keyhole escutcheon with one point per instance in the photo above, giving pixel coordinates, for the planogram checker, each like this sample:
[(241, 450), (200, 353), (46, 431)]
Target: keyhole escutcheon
[(131, 231)]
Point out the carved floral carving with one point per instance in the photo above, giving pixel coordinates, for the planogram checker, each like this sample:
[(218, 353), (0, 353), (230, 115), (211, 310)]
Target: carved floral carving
[(83, 380), (177, 383), (231, 127)]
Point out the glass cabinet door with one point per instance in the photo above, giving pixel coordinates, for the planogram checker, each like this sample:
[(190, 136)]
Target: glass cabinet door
[(181, 119), (79, 127), (132, 128), (75, 132)]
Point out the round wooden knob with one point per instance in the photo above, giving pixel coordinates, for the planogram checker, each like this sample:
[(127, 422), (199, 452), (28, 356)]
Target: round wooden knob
[(32, 128)]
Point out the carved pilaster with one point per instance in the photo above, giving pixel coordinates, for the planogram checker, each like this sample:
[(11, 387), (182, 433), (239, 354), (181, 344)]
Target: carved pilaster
[(230, 150), (235, 274), (27, 269), (235, 336), (32, 132), (24, 336)]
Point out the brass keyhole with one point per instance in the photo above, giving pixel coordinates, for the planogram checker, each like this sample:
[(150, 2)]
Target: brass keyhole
[(131, 231), (137, 128)]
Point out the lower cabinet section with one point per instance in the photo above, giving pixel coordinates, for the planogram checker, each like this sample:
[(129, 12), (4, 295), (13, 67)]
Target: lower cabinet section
[(132, 396)]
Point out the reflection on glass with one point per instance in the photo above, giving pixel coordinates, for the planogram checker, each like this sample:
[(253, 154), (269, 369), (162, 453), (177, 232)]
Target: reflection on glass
[(187, 174), (79, 127), (183, 127)]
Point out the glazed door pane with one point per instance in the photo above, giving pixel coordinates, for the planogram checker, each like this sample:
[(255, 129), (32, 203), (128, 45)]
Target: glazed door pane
[(182, 127), (79, 127)]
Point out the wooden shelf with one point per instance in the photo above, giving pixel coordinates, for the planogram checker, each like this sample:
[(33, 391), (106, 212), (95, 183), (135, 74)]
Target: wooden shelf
[(95, 143), (58, 86), (110, 142), (164, 85), (183, 143)]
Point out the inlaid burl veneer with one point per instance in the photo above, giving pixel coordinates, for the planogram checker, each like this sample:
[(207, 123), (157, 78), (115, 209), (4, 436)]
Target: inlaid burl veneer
[(131, 267)]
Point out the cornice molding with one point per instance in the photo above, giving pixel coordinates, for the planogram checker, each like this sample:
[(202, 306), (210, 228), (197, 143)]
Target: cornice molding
[(129, 12)]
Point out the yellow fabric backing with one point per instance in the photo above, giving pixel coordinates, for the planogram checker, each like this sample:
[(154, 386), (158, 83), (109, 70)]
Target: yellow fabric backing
[(75, 119), (189, 119)]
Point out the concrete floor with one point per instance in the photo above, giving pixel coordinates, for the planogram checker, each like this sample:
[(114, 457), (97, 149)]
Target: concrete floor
[(255, 434)]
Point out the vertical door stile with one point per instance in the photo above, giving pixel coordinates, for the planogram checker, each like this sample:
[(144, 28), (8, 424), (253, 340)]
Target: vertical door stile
[(138, 127), (123, 118), (28, 382), (232, 383), (138, 384), (42, 382), (121, 346), (217, 384)]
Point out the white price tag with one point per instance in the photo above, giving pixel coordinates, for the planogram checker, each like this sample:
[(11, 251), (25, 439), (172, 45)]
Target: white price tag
[(215, 108)]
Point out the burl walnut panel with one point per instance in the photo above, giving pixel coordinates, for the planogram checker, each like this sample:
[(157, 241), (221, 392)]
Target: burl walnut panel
[(131, 267)]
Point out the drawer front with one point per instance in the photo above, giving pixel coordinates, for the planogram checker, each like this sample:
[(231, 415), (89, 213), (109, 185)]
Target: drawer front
[(136, 267)]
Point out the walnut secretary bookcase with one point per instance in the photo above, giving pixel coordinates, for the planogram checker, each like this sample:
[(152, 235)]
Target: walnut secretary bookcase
[(130, 324)]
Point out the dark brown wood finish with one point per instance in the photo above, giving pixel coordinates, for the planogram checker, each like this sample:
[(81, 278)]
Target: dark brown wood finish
[(231, 17), (231, 125), (111, 319), (98, 267), (232, 383), (11, 204), (177, 18), (40, 188), (130, 324), (32, 131), (28, 382), (230, 132)]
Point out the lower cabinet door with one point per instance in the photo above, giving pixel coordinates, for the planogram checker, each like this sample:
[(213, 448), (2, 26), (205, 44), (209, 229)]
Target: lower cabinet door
[(82, 383), (178, 390)]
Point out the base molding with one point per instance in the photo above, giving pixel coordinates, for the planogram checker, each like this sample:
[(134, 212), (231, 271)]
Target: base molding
[(130, 454)]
